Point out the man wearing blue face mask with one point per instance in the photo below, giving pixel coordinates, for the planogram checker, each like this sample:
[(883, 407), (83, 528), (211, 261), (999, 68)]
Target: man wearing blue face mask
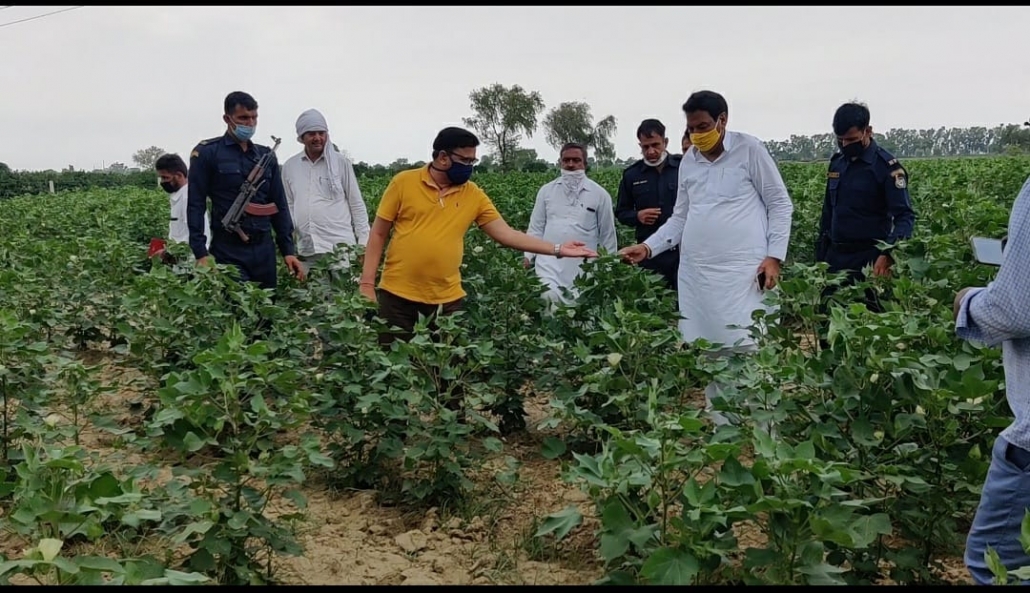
[(866, 201), (429, 210), (218, 168)]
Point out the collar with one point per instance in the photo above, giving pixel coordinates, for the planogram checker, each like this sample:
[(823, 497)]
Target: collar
[(230, 141), (304, 156), (869, 153)]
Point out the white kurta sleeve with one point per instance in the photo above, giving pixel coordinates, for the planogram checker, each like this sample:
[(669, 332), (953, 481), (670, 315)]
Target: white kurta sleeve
[(291, 199), (356, 203), (778, 206), (669, 234), (606, 223), (538, 219)]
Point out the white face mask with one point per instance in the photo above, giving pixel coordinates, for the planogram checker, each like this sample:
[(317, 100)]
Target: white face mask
[(660, 160), (572, 180)]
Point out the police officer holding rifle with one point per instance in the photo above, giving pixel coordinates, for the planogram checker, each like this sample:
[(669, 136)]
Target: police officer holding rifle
[(243, 181)]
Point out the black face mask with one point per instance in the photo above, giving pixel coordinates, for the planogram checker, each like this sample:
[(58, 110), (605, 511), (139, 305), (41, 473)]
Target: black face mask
[(169, 187), (853, 150)]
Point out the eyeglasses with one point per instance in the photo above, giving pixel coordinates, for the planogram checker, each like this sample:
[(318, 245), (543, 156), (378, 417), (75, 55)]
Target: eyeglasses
[(462, 159)]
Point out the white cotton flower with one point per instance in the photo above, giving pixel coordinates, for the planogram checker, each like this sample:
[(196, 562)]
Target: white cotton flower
[(879, 435), (614, 358), (920, 411), (52, 420), (874, 377)]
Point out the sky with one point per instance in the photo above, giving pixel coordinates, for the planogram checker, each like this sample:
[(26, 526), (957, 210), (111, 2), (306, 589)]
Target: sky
[(90, 86)]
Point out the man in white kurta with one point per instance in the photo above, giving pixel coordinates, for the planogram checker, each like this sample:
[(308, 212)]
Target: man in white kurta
[(573, 207), (322, 191), (732, 223)]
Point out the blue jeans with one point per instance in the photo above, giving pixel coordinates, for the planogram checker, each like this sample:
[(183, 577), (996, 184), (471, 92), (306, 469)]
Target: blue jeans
[(1004, 500)]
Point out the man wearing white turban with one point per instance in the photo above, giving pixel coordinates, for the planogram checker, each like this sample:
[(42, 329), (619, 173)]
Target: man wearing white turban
[(323, 195)]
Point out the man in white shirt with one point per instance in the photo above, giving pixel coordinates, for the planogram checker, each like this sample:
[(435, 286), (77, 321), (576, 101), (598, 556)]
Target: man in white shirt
[(570, 208), (173, 175), (323, 194), (732, 223)]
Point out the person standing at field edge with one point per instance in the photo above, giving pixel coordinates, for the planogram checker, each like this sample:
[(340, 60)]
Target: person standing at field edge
[(173, 177), (322, 191), (732, 222), (647, 195), (1000, 314), (218, 168), (866, 202), (572, 206), (685, 142), (429, 210)]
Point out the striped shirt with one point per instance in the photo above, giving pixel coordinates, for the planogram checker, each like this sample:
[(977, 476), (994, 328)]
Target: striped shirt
[(1000, 314)]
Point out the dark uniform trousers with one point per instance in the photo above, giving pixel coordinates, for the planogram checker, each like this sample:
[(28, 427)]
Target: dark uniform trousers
[(403, 313), (852, 258), (667, 264), (256, 259), (643, 187)]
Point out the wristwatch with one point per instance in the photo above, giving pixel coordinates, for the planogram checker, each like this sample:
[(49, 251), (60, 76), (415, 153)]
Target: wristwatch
[(557, 250)]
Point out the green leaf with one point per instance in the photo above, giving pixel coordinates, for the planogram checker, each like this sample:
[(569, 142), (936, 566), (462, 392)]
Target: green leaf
[(670, 566), (734, 474), (49, 548), (561, 523), (193, 442), (553, 448)]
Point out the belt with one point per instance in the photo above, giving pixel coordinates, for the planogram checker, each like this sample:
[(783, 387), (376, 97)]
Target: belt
[(853, 247)]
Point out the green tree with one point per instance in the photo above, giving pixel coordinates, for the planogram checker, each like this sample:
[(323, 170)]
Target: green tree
[(501, 115), (146, 157), (572, 122)]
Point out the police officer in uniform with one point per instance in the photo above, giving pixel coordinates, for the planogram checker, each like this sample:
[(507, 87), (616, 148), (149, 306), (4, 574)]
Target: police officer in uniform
[(866, 201), (218, 168), (647, 195)]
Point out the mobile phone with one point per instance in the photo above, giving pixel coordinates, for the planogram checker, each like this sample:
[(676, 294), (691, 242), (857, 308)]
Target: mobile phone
[(761, 281), (988, 251)]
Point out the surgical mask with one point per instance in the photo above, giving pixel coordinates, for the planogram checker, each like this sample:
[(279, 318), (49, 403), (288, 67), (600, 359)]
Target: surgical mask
[(459, 173), (660, 160), (169, 187), (705, 141), (243, 133), (853, 150)]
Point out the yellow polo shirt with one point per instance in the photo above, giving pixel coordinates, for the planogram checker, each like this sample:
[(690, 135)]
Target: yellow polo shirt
[(423, 260)]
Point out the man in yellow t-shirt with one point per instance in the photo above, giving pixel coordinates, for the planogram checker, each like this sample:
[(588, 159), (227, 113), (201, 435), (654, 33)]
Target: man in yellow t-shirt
[(429, 211)]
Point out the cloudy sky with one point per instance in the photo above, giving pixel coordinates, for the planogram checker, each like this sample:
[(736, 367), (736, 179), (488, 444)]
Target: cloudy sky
[(92, 85)]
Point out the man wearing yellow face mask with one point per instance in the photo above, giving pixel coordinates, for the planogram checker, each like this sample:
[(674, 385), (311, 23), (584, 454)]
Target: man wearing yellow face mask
[(732, 223)]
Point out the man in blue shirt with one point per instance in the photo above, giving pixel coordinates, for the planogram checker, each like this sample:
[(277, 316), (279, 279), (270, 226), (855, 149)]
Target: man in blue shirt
[(866, 201), (218, 168), (1000, 314), (647, 195)]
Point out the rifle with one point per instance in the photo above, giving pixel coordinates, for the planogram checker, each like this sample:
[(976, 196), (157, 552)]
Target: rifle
[(232, 219)]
